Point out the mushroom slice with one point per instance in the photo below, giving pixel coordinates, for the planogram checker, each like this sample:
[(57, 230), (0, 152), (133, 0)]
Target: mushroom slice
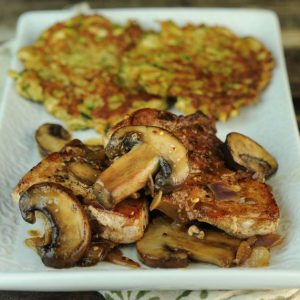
[(244, 153), (70, 229), (84, 171), (167, 245), (75, 147), (116, 257), (95, 154), (138, 153), (96, 252), (51, 138)]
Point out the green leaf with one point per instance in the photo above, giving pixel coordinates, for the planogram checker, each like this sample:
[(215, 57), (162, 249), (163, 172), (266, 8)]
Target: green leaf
[(141, 294), (154, 298), (184, 294), (203, 294), (118, 293), (108, 297), (128, 295)]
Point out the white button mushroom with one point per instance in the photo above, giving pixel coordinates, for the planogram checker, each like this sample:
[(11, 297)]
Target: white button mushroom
[(140, 152)]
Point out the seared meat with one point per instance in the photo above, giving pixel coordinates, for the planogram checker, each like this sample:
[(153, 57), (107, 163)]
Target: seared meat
[(231, 200), (56, 167), (124, 224), (75, 168)]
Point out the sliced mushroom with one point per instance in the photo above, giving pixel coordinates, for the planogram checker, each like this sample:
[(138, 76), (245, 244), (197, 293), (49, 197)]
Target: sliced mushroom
[(244, 153), (167, 245), (96, 252), (92, 154), (51, 138), (84, 171), (96, 153), (243, 253), (116, 257), (139, 152), (70, 229), (75, 147)]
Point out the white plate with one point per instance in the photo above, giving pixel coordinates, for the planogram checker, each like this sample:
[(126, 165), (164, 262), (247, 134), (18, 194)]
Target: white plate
[(270, 122)]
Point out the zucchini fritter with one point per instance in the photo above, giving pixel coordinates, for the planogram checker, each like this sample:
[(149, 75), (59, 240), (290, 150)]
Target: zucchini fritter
[(74, 50), (204, 68), (90, 72), (99, 104), (72, 68)]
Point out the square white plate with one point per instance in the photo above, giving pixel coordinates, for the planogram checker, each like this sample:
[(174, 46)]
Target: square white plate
[(271, 122)]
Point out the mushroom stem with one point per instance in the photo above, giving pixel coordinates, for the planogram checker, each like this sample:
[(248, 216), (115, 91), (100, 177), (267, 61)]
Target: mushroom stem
[(126, 175), (143, 150)]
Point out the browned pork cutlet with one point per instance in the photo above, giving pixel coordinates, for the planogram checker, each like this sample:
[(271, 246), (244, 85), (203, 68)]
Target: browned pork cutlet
[(234, 201), (69, 168)]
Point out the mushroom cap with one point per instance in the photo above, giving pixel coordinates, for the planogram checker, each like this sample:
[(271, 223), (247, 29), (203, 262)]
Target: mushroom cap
[(51, 138), (70, 228), (159, 140), (244, 153)]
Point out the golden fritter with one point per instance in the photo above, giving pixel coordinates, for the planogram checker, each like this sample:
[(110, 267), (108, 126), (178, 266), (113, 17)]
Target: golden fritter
[(74, 50), (72, 68), (204, 68), (90, 72), (99, 104)]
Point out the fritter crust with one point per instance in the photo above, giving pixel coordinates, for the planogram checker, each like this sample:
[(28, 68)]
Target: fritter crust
[(72, 69), (204, 68), (90, 72)]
